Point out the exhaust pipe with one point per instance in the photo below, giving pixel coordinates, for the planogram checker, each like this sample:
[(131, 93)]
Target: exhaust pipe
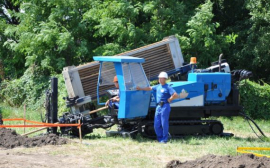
[(219, 62)]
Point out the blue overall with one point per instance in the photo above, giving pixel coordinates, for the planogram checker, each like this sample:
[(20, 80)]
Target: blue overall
[(114, 105), (161, 122)]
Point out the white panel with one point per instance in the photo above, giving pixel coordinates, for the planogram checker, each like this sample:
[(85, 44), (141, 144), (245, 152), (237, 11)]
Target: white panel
[(195, 101), (226, 68), (73, 82), (68, 84), (176, 53), (76, 83)]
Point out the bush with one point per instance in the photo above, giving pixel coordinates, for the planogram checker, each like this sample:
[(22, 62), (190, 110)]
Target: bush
[(30, 90), (26, 90), (255, 98)]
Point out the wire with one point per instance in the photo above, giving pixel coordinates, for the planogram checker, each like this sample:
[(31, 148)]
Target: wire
[(253, 130), (255, 125), (249, 119)]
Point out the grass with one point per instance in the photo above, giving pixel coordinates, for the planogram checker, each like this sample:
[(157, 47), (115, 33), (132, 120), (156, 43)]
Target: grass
[(98, 150), (11, 112)]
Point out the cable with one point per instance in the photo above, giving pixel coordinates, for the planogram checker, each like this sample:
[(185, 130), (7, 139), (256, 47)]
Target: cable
[(255, 124), (249, 119), (254, 130)]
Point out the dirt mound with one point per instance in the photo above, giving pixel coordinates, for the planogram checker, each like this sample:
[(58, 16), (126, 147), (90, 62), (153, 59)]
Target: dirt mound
[(10, 139), (213, 161)]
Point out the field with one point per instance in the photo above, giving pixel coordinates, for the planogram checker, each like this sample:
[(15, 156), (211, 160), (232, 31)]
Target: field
[(97, 150)]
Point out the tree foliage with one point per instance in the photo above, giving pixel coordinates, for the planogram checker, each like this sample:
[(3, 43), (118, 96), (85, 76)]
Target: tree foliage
[(201, 40), (54, 34), (50, 35)]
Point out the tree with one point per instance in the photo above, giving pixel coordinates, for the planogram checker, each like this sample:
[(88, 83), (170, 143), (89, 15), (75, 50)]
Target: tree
[(202, 40), (255, 54), (59, 33), (12, 62)]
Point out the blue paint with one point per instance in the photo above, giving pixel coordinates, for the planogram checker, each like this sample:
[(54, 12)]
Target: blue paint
[(118, 59), (193, 89), (133, 103), (219, 85)]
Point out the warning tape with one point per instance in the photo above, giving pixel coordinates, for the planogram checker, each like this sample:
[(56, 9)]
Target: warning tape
[(40, 124), (244, 150)]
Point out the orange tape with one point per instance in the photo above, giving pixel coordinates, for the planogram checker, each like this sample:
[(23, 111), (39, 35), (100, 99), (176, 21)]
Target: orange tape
[(13, 119), (41, 124)]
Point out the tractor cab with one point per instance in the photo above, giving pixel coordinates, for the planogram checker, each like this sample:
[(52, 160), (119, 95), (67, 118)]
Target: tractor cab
[(130, 74)]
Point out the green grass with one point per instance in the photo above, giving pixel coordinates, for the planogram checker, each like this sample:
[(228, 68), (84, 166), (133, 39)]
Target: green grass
[(102, 151), (148, 153), (11, 112)]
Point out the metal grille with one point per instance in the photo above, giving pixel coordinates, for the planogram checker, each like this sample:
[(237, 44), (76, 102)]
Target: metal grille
[(89, 77), (158, 57)]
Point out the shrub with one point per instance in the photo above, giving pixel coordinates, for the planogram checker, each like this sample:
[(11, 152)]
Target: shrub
[(255, 98), (26, 90)]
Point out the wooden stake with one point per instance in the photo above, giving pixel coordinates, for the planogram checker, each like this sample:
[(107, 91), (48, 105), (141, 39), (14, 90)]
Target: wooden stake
[(94, 111), (80, 131), (34, 131), (31, 132)]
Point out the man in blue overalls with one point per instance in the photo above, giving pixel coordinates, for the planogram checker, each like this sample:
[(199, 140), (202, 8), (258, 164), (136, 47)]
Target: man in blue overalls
[(165, 94)]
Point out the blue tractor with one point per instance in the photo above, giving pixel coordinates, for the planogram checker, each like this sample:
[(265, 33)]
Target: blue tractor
[(210, 92)]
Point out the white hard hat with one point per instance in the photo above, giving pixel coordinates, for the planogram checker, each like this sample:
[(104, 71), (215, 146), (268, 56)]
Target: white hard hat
[(163, 75)]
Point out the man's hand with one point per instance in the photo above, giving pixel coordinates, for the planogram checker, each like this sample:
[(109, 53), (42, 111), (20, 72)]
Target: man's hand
[(145, 89), (107, 103), (112, 99), (174, 96)]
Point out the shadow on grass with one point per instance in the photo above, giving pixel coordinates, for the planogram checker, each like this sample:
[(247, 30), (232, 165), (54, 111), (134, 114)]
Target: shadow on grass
[(252, 139), (94, 136), (187, 140), (200, 139)]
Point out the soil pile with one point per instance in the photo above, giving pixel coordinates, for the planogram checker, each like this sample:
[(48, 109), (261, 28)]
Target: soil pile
[(10, 139), (213, 161)]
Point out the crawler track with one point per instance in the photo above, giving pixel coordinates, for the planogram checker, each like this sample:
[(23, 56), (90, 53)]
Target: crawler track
[(180, 128)]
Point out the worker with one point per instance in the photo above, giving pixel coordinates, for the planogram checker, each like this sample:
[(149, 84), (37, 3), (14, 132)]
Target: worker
[(114, 101), (165, 94)]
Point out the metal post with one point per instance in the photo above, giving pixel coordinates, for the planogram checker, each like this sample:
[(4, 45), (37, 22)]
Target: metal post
[(54, 110)]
